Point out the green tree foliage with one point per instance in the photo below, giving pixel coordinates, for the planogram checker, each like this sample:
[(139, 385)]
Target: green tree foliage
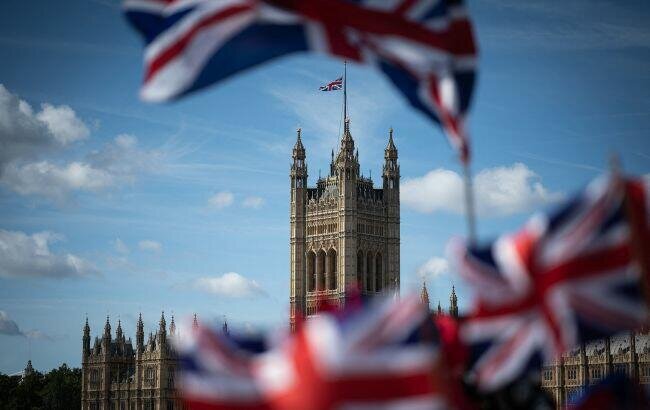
[(60, 389)]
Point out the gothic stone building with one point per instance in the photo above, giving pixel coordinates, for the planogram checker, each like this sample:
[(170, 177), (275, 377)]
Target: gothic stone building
[(117, 376), (572, 373), (344, 231)]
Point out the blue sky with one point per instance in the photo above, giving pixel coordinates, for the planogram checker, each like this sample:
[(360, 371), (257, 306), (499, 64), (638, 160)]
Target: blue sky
[(184, 207)]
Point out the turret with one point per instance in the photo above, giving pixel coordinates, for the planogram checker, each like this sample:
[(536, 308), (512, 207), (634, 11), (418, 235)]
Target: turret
[(29, 370), (424, 295), (439, 309), (162, 330), (299, 166), (453, 303), (139, 335), (195, 322), (347, 161), (172, 327), (391, 167), (106, 337), (118, 332), (224, 328), (86, 339)]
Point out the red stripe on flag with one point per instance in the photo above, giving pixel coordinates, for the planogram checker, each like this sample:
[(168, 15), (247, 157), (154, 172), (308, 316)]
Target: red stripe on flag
[(179, 46)]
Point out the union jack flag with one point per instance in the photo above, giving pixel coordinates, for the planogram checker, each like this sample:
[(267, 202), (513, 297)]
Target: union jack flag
[(380, 358), (333, 86), (563, 279), (425, 48)]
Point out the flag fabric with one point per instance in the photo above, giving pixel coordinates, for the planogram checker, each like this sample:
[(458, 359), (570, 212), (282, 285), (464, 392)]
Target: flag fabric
[(562, 280), (616, 391), (425, 48), (381, 358), (333, 86)]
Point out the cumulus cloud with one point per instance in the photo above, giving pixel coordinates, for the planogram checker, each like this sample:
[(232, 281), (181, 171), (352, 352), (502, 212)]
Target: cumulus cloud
[(433, 268), (25, 133), (117, 162), (150, 246), (9, 327), (254, 202), (23, 255), (221, 200), (229, 284), (499, 191)]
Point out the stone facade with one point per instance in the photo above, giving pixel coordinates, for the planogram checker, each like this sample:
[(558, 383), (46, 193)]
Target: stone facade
[(117, 376), (588, 364), (344, 231)]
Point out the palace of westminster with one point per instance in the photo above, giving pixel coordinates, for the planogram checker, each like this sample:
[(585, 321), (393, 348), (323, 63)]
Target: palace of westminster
[(344, 233)]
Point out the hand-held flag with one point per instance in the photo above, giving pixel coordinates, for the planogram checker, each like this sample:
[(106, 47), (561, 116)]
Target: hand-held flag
[(379, 357), (562, 280), (425, 48)]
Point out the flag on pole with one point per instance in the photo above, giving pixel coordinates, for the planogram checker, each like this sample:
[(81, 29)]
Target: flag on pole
[(425, 48), (333, 86), (564, 279), (379, 357)]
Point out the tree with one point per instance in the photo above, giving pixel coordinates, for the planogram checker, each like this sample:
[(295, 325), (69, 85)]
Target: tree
[(60, 389)]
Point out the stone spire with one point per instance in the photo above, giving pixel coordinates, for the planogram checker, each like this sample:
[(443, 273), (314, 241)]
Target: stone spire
[(298, 148), (224, 328), (195, 322), (439, 308), (107, 329), (424, 295), (86, 339), (118, 332), (391, 150), (162, 328), (139, 334), (453, 303), (299, 166), (172, 327)]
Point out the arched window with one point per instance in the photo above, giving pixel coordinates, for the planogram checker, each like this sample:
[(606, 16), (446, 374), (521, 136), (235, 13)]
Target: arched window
[(369, 268), (320, 270), (311, 271), (379, 280), (360, 269), (332, 285)]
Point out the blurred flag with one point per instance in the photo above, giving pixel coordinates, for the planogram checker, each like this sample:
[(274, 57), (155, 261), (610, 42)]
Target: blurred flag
[(615, 392), (333, 86), (378, 357), (563, 279), (426, 48)]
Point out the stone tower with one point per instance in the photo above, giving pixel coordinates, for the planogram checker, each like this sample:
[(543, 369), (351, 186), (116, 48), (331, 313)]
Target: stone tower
[(344, 232)]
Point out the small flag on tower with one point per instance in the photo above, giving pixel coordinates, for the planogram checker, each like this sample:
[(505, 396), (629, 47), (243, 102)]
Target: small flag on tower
[(333, 86)]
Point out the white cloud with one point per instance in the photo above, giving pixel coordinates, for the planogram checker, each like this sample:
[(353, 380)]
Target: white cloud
[(63, 124), (23, 255), (9, 327), (221, 200), (499, 191), (150, 246), (120, 246), (24, 134), (229, 284), (433, 268), (117, 162), (254, 202)]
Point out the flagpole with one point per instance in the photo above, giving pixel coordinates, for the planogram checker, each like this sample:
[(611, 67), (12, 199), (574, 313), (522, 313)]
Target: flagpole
[(345, 90), (469, 202)]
